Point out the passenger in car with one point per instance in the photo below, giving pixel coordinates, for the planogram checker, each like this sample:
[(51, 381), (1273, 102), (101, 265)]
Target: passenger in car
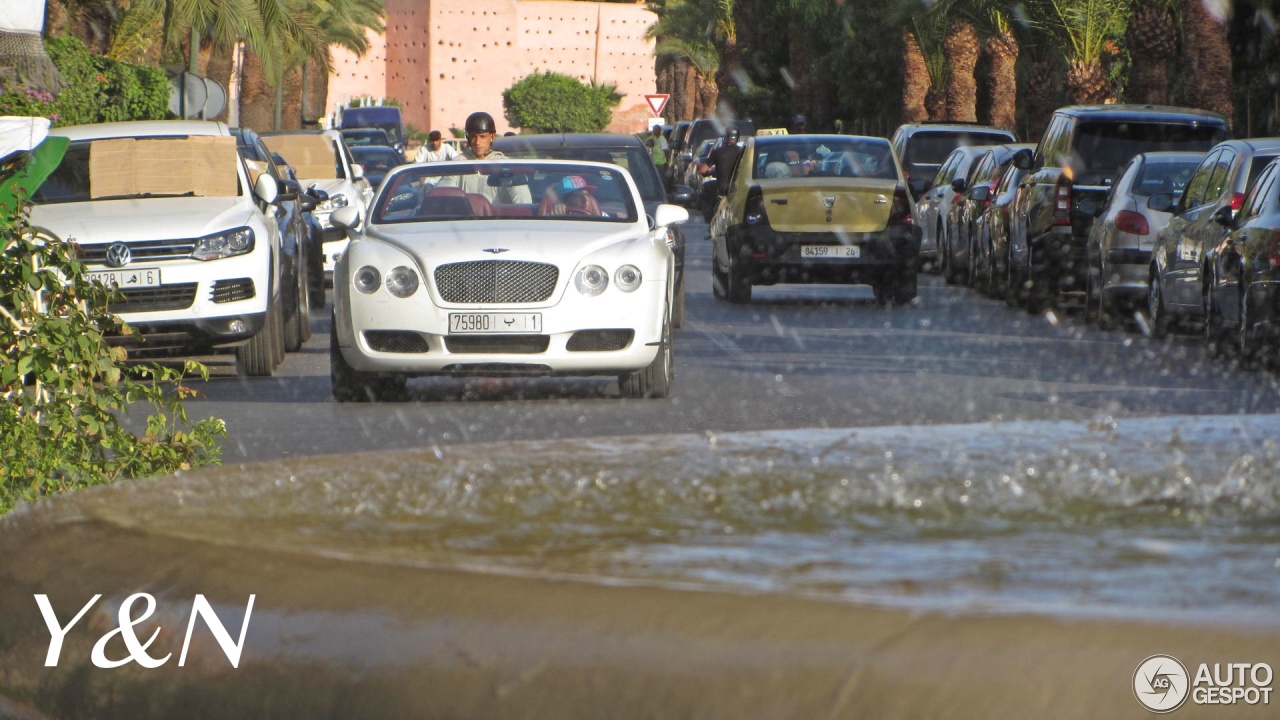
[(573, 196)]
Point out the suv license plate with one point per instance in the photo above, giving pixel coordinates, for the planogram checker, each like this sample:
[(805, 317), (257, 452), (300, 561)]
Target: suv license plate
[(504, 323), (128, 278), (830, 251)]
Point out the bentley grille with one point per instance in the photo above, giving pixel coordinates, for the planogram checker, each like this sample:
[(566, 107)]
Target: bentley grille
[(496, 281)]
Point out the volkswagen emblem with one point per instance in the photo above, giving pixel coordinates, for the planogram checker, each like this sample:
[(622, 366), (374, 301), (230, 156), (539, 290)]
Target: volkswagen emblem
[(118, 255), (495, 251), (828, 202)]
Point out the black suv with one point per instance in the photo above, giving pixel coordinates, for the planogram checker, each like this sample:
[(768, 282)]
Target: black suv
[(1069, 175), (921, 148)]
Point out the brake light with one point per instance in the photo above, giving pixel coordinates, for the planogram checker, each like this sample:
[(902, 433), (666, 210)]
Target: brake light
[(754, 213), (900, 212), (1134, 223), (1237, 202), (1062, 202)]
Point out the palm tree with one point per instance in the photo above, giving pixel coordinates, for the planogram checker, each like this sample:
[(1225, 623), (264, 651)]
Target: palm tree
[(681, 35), (1084, 30), (1153, 41), (1002, 50), (961, 48), (1206, 54), (915, 80)]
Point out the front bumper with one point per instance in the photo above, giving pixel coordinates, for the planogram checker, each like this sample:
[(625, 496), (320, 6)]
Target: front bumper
[(410, 336)]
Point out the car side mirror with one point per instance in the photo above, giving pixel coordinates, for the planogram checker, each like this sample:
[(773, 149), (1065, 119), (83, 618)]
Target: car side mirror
[(1225, 216), (266, 189), (1090, 207), (1022, 159), (315, 192), (357, 171), (681, 194), (347, 218), (982, 193), (289, 190), (1161, 202), (958, 185), (666, 214), (918, 187)]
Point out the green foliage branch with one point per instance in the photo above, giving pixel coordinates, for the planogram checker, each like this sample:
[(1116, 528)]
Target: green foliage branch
[(67, 395), (551, 102), (99, 89)]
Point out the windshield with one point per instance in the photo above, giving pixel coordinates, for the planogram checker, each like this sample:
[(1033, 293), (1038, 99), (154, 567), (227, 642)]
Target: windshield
[(456, 191), (798, 155), (375, 160), (1164, 176), (129, 168), (635, 160), (931, 148), (1102, 149), (357, 138)]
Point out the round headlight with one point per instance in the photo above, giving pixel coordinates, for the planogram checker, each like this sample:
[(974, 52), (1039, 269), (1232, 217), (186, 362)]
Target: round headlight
[(339, 200), (402, 281), (367, 279), (591, 280), (627, 277)]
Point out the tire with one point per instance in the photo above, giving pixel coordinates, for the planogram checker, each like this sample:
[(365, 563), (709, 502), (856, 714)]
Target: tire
[(979, 272), (655, 380), (906, 287), (719, 281), (737, 286), (1215, 335), (351, 385), (677, 306), (1107, 318), (947, 262), (1092, 291), (263, 353), (297, 326), (1039, 296), (1012, 285), (1246, 349), (315, 280), (1157, 315)]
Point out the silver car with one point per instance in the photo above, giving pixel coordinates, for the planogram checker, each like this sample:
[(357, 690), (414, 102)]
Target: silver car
[(933, 209), (1121, 239)]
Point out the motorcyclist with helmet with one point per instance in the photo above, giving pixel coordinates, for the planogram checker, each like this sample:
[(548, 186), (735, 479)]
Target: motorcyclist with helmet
[(481, 132)]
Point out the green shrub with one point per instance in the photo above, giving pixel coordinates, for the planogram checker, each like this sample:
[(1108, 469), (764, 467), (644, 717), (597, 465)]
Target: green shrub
[(551, 102), (99, 89), (67, 394)]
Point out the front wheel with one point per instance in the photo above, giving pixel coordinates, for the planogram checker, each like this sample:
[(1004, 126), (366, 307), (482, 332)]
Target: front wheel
[(263, 353), (677, 305), (297, 326), (1247, 350), (655, 380), (351, 385)]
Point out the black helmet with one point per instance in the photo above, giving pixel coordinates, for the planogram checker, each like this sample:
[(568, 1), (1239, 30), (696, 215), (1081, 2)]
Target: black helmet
[(732, 133), (480, 122)]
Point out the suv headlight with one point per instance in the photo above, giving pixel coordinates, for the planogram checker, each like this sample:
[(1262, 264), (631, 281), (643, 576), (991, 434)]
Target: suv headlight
[(223, 245), (591, 280)]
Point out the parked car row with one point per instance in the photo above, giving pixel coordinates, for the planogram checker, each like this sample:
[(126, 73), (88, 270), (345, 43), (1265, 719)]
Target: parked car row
[(1148, 214)]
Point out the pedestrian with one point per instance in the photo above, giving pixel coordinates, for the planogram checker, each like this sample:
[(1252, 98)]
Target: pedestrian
[(799, 125), (658, 147), (435, 150)]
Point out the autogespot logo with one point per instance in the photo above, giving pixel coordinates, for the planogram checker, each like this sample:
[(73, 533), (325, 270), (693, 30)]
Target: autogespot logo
[(1160, 683)]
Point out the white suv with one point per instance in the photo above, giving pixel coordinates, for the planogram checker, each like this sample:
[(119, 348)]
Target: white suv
[(169, 213), (321, 160)]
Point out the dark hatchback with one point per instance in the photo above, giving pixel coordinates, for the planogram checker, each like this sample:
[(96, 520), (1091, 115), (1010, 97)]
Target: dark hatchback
[(626, 151)]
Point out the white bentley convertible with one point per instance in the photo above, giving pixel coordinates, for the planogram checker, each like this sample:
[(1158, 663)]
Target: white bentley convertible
[(503, 268)]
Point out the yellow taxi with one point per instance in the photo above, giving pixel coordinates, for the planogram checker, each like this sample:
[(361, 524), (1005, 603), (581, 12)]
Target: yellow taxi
[(815, 209)]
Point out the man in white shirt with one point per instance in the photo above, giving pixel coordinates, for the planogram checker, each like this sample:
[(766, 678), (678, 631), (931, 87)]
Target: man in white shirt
[(435, 150)]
